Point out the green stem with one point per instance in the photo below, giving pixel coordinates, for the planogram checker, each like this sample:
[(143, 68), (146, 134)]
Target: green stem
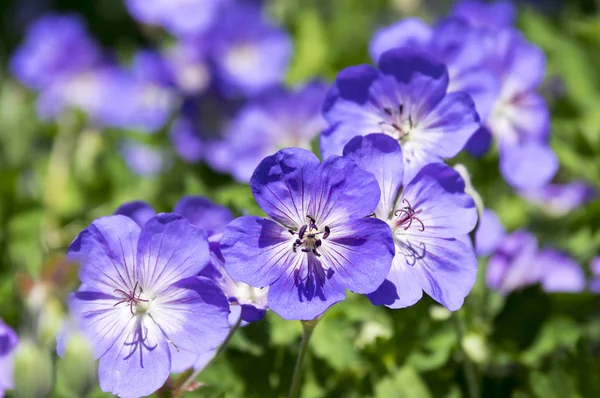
[(468, 367), (181, 385), (307, 330)]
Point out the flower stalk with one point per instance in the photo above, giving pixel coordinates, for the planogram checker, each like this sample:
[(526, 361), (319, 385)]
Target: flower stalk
[(307, 329)]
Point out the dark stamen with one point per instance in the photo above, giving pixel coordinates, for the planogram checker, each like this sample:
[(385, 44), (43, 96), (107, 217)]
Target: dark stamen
[(308, 237), (302, 231)]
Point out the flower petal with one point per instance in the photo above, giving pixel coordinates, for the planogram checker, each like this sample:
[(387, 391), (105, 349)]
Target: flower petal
[(139, 362), (193, 314), (139, 211), (280, 184), (257, 251), (360, 253), (489, 233), (170, 249), (528, 166), (98, 318), (422, 81), (306, 290), (445, 129), (559, 272), (408, 32), (513, 264), (341, 191), (204, 214), (401, 288), (445, 268), (446, 211), (380, 155), (106, 251)]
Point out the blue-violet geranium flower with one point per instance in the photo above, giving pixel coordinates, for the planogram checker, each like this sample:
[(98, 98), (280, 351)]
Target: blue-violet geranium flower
[(319, 239), (140, 295), (406, 99), (430, 218)]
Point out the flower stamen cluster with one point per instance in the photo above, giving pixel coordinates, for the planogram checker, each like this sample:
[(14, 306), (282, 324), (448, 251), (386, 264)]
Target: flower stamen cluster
[(308, 237), (401, 126), (131, 299), (406, 215)]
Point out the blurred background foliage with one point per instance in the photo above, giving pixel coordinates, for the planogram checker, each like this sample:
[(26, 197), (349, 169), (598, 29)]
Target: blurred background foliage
[(57, 177)]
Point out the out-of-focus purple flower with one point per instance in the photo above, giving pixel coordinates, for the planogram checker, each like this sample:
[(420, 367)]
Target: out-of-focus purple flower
[(406, 99), (513, 265), (452, 42), (143, 159), (248, 52), (201, 121), (56, 47), (180, 17), (277, 119), (560, 199), (8, 342), (430, 218), (489, 234), (318, 241), (139, 98), (595, 268), (140, 294), (188, 63), (490, 16), (559, 272), (520, 121)]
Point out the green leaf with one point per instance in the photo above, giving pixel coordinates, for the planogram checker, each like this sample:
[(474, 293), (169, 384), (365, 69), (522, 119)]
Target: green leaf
[(404, 383), (556, 333), (333, 341)]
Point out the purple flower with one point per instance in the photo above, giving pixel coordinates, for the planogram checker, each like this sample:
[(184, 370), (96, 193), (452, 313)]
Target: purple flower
[(406, 99), (277, 119), (489, 16), (559, 200), (55, 47), (489, 234), (513, 265), (519, 120), (248, 52), (318, 241), (247, 302), (201, 122), (8, 342), (430, 218), (142, 159), (139, 98), (452, 42), (180, 17), (188, 65), (559, 273), (595, 268), (140, 295)]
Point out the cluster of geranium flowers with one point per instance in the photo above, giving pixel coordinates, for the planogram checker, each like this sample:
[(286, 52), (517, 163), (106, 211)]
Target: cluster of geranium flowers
[(382, 215), (160, 292)]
